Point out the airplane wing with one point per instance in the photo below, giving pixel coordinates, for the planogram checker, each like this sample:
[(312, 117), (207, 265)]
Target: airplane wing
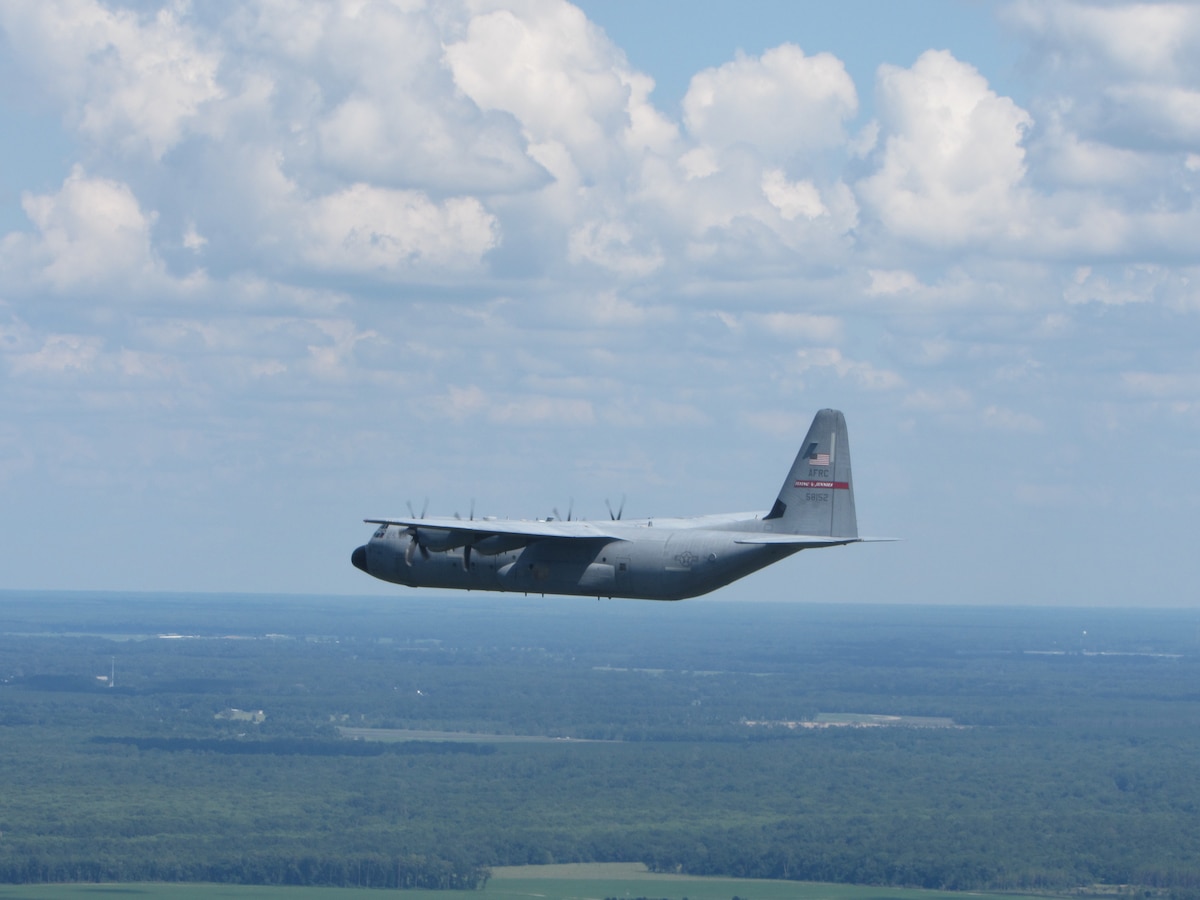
[(481, 528)]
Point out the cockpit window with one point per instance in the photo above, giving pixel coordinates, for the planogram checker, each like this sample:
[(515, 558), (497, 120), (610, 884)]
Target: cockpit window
[(381, 531)]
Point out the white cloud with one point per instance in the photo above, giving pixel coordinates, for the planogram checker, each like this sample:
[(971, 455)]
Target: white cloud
[(132, 80), (369, 228), (952, 160), (781, 104), (194, 240), (402, 119), (699, 162), (1066, 159), (472, 402), (885, 282), (556, 73), (1129, 69), (1137, 284), (91, 232), (793, 199), (608, 309), (60, 354), (1142, 39), (611, 246), (331, 357), (861, 373), (1010, 420), (799, 326)]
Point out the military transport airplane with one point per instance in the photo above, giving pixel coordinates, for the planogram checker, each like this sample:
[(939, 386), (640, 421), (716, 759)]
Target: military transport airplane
[(647, 559)]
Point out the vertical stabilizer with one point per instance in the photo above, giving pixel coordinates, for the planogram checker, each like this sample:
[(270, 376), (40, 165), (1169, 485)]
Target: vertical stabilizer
[(818, 495)]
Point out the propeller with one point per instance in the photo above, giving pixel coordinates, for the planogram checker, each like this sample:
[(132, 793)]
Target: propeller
[(414, 543), (620, 509), (570, 510)]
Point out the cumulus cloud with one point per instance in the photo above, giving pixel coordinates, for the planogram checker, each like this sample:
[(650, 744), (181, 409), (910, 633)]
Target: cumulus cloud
[(554, 71), (952, 159), (611, 245), (396, 146), (781, 104), (396, 116), (136, 81), (793, 199), (1130, 69), (368, 228), (92, 231), (891, 281)]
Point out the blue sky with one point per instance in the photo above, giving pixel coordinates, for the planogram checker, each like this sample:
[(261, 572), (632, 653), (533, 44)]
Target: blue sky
[(268, 269)]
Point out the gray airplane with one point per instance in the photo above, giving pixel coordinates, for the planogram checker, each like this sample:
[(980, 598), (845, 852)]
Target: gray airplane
[(647, 559)]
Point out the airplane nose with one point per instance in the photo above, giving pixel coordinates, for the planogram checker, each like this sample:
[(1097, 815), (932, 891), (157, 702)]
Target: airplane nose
[(359, 558)]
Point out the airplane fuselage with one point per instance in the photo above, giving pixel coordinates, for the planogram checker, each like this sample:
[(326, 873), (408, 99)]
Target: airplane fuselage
[(659, 559)]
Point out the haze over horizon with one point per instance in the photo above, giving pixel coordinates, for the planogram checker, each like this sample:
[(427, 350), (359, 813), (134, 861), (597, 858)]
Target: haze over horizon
[(267, 270)]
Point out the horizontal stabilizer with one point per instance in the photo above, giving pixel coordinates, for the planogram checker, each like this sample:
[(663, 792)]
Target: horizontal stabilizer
[(796, 540)]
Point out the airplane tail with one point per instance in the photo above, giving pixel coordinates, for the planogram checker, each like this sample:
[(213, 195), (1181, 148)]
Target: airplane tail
[(818, 496)]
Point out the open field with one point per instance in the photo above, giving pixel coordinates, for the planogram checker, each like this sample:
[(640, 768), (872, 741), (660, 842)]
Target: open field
[(594, 881), (586, 881)]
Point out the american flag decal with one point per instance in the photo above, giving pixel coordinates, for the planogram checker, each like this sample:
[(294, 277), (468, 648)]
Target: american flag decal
[(819, 459)]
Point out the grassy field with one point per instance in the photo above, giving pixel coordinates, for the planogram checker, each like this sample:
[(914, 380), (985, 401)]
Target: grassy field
[(593, 881)]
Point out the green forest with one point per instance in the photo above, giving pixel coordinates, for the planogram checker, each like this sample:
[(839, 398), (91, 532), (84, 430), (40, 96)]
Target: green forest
[(400, 742)]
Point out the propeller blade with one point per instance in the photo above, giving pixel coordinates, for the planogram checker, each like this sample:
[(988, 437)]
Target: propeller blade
[(414, 544)]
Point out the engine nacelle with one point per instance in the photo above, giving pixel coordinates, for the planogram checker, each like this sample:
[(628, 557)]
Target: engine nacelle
[(438, 539)]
